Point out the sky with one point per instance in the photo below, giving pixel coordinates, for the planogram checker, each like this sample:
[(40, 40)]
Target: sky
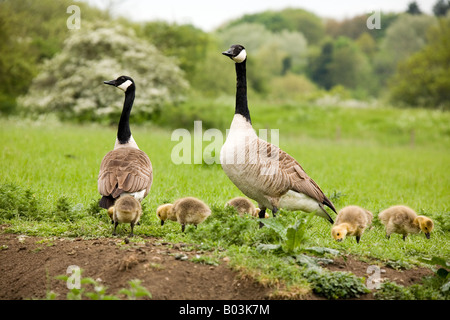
[(210, 14)]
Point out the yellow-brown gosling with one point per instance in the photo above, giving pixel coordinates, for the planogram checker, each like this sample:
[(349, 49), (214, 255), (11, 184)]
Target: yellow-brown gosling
[(404, 220), (187, 210), (127, 209), (351, 221)]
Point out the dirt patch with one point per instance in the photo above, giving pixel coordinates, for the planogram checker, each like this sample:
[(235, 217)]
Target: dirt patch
[(28, 266)]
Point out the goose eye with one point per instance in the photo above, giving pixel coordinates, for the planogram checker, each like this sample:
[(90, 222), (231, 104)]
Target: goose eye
[(338, 234)]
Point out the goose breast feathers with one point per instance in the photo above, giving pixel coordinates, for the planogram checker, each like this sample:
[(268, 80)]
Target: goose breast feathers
[(125, 170)]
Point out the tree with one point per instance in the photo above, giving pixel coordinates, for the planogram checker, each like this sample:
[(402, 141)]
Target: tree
[(441, 7), (31, 32), (185, 42), (367, 44), (404, 37), (351, 28), (349, 66), (341, 62), (319, 69), (295, 20), (71, 83), (413, 8), (423, 79)]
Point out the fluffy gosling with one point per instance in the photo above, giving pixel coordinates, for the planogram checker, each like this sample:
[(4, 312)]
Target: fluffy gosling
[(165, 212), (111, 213), (351, 221), (127, 209), (185, 211), (404, 220), (244, 205)]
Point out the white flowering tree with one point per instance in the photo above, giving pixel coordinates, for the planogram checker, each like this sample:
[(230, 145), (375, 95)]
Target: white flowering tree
[(71, 83)]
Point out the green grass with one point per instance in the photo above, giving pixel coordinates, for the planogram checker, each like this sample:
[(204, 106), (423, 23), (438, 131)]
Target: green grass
[(48, 185)]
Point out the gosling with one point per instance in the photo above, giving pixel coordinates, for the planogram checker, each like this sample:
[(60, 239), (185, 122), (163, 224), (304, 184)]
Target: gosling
[(127, 209), (165, 212), (111, 213), (404, 220), (185, 211), (351, 221), (244, 205)]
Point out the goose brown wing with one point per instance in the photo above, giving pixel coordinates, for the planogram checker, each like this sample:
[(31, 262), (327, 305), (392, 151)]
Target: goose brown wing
[(125, 170), (295, 178)]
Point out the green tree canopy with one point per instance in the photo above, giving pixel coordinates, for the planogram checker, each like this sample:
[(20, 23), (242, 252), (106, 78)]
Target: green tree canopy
[(185, 42), (71, 83), (341, 62), (292, 19), (423, 79), (30, 32), (441, 7)]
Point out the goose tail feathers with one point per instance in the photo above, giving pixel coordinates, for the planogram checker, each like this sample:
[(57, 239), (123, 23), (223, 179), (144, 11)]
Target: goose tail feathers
[(323, 213), (106, 202)]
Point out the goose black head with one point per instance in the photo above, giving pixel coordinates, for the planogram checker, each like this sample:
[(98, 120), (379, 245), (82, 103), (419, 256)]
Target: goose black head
[(236, 53), (123, 82)]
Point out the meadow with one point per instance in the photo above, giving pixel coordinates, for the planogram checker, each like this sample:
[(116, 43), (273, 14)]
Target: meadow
[(373, 157)]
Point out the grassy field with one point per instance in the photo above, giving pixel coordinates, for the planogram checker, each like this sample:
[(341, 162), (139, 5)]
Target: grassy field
[(373, 157)]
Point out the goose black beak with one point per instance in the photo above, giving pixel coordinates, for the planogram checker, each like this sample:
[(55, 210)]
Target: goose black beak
[(110, 82), (228, 53), (427, 235), (339, 240), (162, 223)]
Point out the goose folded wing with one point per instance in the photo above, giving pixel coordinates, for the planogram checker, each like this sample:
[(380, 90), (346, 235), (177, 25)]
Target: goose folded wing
[(297, 179), (125, 170)]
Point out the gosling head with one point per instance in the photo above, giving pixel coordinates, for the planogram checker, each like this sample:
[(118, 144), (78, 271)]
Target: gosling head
[(111, 213), (163, 212), (124, 83), (425, 224), (339, 232), (236, 53), (256, 214)]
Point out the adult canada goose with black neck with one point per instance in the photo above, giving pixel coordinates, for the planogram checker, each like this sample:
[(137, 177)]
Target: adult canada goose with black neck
[(126, 170), (261, 170)]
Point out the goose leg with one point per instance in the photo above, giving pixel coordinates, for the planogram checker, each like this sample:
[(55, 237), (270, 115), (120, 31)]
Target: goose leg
[(115, 226), (274, 210), (182, 227), (262, 215), (132, 226)]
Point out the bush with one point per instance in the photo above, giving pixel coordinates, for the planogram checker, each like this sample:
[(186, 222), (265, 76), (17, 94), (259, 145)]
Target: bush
[(336, 285), (17, 202), (392, 291)]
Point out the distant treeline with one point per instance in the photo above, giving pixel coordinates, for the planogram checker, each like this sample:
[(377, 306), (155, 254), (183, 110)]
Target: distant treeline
[(293, 55)]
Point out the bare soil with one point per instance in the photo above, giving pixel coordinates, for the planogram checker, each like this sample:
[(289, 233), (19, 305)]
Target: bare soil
[(29, 265)]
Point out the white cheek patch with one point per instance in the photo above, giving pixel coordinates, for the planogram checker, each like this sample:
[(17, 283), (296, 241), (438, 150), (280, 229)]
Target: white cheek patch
[(124, 86), (240, 57)]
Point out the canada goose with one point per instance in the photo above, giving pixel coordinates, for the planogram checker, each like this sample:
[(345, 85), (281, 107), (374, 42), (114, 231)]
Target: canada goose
[(127, 209), (244, 205), (126, 169), (404, 220), (187, 210), (261, 170), (351, 221)]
